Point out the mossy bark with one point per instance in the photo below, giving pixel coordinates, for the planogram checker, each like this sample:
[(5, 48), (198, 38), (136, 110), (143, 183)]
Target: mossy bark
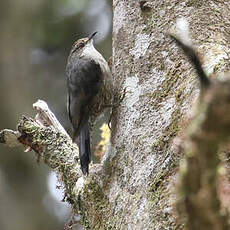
[(162, 87)]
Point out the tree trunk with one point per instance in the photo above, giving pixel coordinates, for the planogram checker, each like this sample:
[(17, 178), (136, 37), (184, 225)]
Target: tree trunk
[(162, 86)]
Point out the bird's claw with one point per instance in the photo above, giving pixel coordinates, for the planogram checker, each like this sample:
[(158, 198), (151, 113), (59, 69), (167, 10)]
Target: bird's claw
[(118, 99)]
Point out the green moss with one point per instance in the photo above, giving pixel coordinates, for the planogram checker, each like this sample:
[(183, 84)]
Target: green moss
[(180, 94), (157, 182), (98, 206), (166, 87), (162, 143), (158, 144), (219, 67), (194, 3)]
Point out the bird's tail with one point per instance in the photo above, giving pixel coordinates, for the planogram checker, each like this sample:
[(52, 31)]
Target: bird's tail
[(84, 148)]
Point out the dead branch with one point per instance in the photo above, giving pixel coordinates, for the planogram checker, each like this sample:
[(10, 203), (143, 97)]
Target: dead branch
[(49, 140)]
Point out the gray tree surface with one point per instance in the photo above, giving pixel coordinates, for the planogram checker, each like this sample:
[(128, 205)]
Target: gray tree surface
[(134, 186), (163, 87)]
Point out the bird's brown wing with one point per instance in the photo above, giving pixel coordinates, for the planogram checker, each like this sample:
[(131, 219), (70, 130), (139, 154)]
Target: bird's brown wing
[(84, 80)]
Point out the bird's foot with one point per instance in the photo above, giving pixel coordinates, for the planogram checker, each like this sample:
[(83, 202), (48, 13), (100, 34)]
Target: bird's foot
[(118, 99)]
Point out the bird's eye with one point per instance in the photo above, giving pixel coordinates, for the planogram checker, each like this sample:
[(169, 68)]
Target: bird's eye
[(81, 45)]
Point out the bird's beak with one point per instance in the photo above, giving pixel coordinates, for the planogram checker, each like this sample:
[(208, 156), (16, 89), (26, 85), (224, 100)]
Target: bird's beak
[(92, 35)]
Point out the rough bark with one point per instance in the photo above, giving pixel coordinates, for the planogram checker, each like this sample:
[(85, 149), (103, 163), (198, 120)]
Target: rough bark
[(53, 146), (133, 188), (162, 88)]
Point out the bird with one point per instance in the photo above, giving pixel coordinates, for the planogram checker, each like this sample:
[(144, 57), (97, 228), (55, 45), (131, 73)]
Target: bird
[(90, 91)]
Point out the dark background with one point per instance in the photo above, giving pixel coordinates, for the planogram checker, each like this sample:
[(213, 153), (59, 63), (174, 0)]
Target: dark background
[(35, 40)]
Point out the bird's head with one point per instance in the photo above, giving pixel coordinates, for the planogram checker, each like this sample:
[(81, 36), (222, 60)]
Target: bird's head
[(80, 44)]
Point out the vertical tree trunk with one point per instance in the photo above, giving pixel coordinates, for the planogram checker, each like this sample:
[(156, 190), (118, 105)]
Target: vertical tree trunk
[(161, 86)]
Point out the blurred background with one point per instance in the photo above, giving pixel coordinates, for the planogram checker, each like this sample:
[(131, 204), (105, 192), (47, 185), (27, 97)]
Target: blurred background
[(35, 40)]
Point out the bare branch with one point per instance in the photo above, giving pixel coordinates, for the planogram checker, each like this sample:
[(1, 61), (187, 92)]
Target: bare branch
[(49, 140), (9, 138), (46, 117), (54, 147)]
